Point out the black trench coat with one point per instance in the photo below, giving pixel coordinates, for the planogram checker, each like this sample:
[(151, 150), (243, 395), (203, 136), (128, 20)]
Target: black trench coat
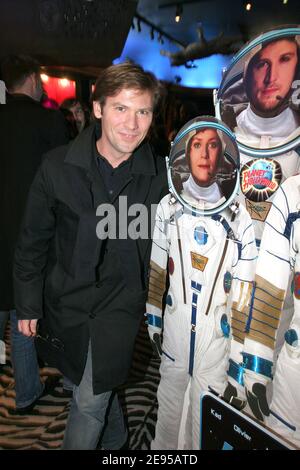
[(83, 287)]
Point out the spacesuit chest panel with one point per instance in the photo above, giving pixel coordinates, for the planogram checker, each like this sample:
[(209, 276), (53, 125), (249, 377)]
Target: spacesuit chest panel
[(260, 179), (206, 253)]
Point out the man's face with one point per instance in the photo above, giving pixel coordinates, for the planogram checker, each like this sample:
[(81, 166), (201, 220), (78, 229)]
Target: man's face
[(204, 153), (272, 74), (78, 112), (125, 121)]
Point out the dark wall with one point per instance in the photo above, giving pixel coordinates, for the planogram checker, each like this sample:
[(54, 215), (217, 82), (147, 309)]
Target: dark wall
[(66, 32)]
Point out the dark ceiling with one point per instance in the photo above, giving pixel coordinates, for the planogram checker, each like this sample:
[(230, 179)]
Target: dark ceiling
[(229, 16)]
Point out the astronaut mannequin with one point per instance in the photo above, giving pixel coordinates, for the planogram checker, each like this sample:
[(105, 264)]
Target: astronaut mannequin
[(267, 131), (205, 241), (279, 256), (268, 123), (262, 108)]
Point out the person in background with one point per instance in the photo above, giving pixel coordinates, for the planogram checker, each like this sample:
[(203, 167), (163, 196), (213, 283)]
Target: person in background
[(27, 131), (79, 111)]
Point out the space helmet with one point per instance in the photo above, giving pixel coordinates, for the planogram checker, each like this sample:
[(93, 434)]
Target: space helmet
[(191, 172), (236, 91)]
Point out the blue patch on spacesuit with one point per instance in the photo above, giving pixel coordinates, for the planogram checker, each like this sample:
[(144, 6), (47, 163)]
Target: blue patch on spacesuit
[(291, 337), (292, 217), (169, 300), (257, 242), (200, 235), (258, 364), (193, 332), (225, 326), (154, 320), (195, 285), (227, 281), (236, 371)]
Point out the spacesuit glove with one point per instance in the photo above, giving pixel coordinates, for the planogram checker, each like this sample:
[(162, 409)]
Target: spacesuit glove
[(155, 338), (234, 394), (255, 385)]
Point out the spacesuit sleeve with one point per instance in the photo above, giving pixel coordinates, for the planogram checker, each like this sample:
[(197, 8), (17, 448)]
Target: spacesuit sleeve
[(270, 286), (243, 276), (158, 270)]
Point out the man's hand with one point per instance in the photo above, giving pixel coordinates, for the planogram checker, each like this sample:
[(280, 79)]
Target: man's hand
[(27, 327)]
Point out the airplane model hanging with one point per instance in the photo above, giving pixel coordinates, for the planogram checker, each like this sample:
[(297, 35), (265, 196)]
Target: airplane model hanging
[(203, 48)]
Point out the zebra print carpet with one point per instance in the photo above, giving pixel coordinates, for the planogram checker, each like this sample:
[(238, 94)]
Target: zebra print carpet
[(43, 428)]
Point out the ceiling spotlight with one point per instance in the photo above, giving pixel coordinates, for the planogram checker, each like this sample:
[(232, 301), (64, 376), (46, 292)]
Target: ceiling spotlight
[(44, 77), (64, 82), (248, 6), (178, 13), (285, 2)]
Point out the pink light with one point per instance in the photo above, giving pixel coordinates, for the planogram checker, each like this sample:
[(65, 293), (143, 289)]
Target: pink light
[(59, 89)]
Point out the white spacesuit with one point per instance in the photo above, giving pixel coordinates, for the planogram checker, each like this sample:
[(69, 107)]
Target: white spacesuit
[(279, 256), (210, 261), (262, 110), (261, 177)]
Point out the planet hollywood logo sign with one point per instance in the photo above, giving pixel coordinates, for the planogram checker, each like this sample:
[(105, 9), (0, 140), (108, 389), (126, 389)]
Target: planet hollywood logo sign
[(260, 179)]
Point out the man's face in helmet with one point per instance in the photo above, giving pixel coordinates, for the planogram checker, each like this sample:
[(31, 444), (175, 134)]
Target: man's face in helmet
[(271, 73)]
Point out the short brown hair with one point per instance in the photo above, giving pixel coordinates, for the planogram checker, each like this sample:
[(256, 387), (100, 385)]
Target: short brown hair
[(125, 75), (16, 68)]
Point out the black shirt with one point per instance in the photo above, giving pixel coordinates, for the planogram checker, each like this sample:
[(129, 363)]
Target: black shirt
[(114, 178)]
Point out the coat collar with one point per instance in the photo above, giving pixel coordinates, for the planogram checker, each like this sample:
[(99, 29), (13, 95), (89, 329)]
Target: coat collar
[(80, 153), (13, 97)]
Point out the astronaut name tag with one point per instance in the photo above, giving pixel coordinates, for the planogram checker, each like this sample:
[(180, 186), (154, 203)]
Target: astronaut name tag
[(222, 427), (198, 262), (258, 210)]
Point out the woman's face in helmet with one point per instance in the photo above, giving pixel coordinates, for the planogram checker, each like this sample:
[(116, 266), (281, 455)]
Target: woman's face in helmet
[(205, 149)]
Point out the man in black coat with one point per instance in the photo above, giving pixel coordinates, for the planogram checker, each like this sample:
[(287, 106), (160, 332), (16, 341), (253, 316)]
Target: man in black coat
[(27, 131), (82, 260)]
